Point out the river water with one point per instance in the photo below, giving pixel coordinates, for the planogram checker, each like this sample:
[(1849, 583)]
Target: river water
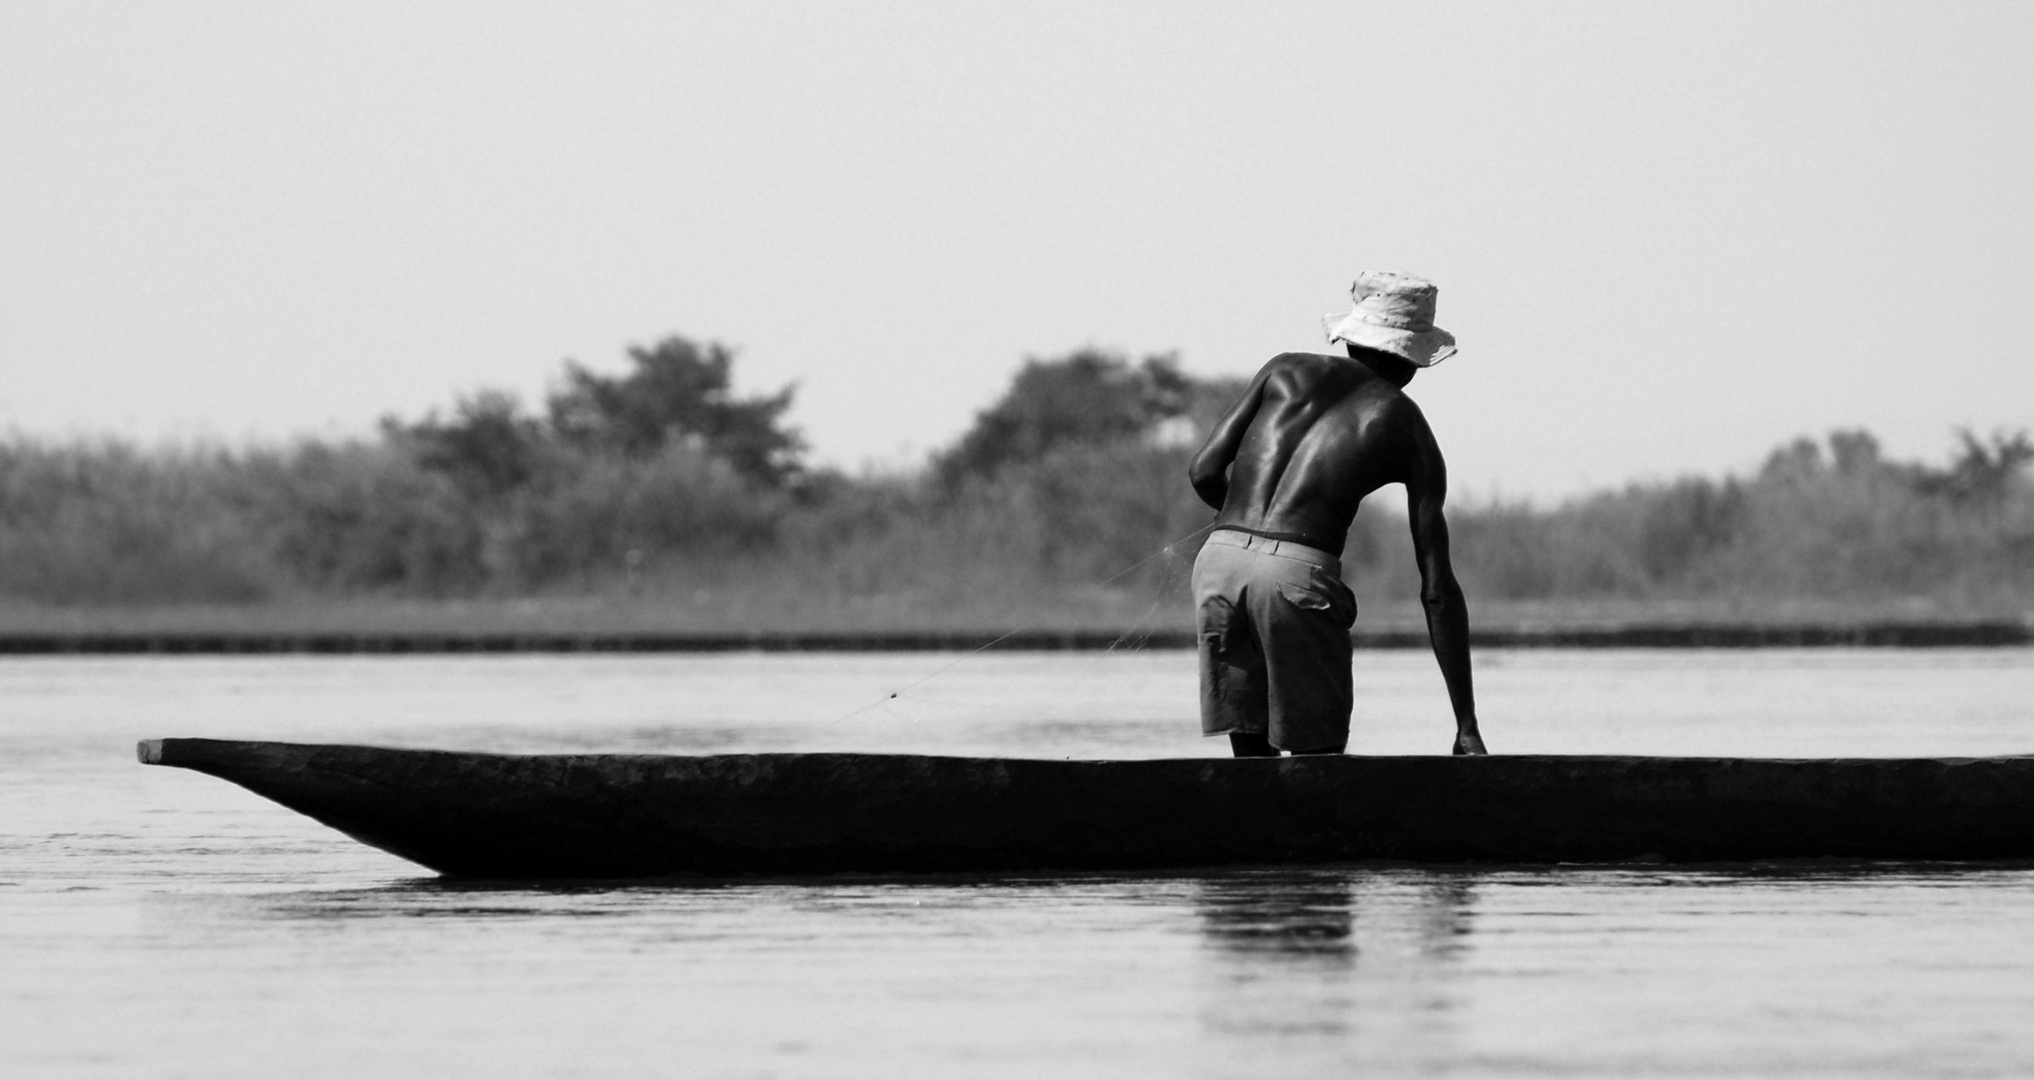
[(155, 922)]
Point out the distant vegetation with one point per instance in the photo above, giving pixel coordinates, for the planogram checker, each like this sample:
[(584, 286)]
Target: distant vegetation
[(662, 481)]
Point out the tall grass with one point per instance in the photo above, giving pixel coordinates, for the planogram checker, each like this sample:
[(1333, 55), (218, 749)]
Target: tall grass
[(102, 522)]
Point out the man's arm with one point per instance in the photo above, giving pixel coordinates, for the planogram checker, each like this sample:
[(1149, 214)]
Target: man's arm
[(1209, 472), (1447, 611)]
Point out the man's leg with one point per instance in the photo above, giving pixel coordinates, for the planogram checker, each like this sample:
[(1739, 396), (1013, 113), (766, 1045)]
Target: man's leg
[(1233, 701), (1251, 744), (1304, 622)]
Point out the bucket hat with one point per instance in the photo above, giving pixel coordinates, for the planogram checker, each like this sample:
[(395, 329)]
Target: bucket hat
[(1394, 313)]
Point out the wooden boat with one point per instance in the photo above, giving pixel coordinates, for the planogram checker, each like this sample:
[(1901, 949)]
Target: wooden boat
[(633, 816)]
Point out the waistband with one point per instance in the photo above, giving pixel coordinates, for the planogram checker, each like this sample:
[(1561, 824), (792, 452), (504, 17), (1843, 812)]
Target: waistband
[(1289, 549)]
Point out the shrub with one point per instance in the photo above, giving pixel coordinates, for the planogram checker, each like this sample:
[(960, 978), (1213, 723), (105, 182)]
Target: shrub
[(362, 518)]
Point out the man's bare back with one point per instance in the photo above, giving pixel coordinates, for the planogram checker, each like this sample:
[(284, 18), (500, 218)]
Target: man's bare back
[(1310, 439)]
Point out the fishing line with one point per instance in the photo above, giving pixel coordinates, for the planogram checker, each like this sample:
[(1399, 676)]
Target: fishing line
[(1162, 552), (1141, 630)]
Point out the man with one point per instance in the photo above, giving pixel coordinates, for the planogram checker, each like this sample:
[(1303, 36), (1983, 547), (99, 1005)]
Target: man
[(1287, 467)]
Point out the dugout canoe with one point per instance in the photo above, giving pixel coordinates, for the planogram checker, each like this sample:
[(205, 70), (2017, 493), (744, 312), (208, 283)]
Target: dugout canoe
[(550, 816)]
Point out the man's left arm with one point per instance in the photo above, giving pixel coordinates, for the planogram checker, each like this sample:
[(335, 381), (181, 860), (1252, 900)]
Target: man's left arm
[(1447, 611)]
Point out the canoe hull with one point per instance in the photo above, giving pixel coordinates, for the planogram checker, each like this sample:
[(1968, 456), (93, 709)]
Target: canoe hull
[(632, 816)]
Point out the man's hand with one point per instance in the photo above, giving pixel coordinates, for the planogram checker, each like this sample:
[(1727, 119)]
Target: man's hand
[(1469, 742)]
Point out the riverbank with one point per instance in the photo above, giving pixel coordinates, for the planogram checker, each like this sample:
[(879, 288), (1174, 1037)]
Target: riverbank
[(1094, 620)]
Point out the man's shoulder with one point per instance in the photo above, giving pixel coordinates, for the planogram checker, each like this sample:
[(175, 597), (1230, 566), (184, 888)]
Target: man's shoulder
[(1388, 411), (1349, 377), (1404, 413), (1304, 359), (1344, 387), (1306, 371), (1399, 402)]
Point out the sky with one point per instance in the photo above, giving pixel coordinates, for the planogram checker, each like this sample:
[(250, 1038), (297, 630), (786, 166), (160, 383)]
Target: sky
[(1668, 237)]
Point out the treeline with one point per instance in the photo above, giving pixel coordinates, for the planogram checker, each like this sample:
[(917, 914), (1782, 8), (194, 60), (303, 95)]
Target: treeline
[(1830, 520), (662, 481)]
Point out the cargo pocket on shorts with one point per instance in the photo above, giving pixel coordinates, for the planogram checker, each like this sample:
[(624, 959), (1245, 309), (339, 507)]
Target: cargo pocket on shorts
[(1328, 600), (1232, 671), (1221, 636)]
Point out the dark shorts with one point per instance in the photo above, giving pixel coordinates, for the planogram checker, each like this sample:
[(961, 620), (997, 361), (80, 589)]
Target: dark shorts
[(1274, 641)]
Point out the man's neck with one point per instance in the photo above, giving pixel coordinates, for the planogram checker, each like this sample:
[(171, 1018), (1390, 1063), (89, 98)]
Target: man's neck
[(1392, 369)]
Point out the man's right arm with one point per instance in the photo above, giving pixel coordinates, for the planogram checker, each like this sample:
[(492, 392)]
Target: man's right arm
[(1447, 611), (1209, 472)]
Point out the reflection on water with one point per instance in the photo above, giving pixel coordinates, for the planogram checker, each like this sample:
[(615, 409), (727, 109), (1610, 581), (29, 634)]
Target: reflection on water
[(1334, 954), (1297, 915), (1780, 969)]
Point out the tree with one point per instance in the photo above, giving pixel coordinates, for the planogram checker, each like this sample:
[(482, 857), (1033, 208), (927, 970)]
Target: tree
[(1088, 396), (1982, 472), (488, 447), (678, 390)]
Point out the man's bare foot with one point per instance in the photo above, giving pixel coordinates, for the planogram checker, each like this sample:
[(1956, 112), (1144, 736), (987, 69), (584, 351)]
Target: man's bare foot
[(1469, 743)]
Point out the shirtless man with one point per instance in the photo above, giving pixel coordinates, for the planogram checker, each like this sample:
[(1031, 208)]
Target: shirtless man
[(1287, 467)]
